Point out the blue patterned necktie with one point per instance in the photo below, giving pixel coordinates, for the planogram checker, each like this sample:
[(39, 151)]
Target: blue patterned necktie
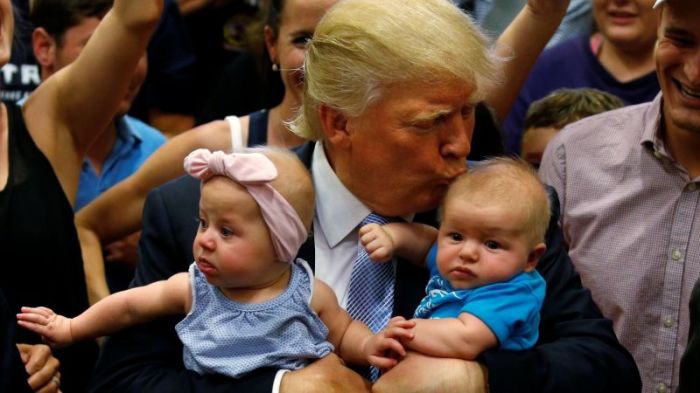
[(371, 289)]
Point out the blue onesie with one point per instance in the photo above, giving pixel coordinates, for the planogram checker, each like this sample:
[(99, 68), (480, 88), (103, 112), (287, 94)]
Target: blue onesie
[(511, 309)]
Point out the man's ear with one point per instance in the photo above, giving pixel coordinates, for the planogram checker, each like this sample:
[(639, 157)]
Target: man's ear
[(335, 126), (534, 256), (44, 47)]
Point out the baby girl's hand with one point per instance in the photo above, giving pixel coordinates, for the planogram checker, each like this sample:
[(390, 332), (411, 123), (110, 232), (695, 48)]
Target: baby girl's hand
[(384, 349), (377, 242), (53, 328)]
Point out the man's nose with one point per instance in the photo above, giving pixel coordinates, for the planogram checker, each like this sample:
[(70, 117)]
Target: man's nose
[(457, 139), (692, 69)]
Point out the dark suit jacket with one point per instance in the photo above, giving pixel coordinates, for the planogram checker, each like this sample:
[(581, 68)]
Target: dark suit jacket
[(577, 350)]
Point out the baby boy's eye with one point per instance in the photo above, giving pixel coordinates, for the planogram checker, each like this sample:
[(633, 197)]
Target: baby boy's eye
[(226, 232), (492, 244), (454, 236)]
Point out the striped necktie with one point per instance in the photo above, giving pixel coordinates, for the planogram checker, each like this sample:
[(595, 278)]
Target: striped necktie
[(371, 289)]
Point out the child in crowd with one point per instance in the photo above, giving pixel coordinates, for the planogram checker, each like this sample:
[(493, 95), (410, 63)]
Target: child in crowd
[(484, 290), (546, 116), (248, 304)]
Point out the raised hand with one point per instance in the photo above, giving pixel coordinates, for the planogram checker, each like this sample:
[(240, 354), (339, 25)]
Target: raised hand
[(548, 7), (54, 329), (378, 243)]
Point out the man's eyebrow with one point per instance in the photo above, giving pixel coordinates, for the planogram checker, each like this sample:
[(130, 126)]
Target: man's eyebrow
[(430, 115)]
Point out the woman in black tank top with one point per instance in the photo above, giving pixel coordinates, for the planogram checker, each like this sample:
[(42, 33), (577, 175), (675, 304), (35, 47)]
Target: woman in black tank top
[(41, 149)]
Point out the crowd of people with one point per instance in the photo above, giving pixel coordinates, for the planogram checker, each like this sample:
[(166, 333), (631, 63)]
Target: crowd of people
[(424, 196)]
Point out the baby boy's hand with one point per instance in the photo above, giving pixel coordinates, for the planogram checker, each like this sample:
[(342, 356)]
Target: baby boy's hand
[(54, 329), (377, 242)]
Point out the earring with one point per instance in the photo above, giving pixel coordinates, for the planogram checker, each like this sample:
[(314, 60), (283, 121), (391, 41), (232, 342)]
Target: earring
[(275, 67)]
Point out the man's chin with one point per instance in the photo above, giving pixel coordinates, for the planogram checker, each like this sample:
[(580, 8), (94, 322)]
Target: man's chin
[(429, 204), (123, 108)]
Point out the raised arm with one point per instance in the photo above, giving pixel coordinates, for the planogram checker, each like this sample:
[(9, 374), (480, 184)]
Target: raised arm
[(66, 113), (520, 44), (113, 313), (408, 241), (118, 212)]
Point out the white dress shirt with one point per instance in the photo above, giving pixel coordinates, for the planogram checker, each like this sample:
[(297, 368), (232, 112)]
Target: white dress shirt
[(338, 216)]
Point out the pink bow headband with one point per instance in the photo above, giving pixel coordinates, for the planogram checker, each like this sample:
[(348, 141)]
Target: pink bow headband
[(255, 171)]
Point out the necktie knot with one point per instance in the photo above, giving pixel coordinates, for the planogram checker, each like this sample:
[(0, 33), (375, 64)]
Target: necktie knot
[(374, 218)]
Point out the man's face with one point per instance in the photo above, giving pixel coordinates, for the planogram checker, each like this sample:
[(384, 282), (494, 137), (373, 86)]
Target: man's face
[(72, 44), (407, 147), (678, 64)]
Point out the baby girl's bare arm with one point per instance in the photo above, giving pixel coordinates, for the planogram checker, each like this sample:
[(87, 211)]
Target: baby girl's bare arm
[(353, 340), (111, 314)]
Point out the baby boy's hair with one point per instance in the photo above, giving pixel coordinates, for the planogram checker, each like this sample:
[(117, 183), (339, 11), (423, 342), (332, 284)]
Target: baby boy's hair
[(565, 106), (511, 182), (293, 181)]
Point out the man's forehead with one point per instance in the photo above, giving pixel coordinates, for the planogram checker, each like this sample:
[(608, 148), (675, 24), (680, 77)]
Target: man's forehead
[(681, 15)]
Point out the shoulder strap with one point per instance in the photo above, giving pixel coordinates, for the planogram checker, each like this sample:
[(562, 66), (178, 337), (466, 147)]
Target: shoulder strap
[(310, 274), (234, 124), (192, 272)]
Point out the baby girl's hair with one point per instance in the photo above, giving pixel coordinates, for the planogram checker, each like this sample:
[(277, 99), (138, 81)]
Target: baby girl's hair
[(293, 182)]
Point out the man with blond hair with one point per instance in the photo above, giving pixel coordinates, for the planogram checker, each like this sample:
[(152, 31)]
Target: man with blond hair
[(390, 91)]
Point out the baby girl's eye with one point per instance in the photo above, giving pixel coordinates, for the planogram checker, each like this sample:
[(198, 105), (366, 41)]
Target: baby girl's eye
[(203, 223)]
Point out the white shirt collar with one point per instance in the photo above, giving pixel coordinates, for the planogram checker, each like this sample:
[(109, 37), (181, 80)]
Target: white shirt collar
[(338, 211)]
